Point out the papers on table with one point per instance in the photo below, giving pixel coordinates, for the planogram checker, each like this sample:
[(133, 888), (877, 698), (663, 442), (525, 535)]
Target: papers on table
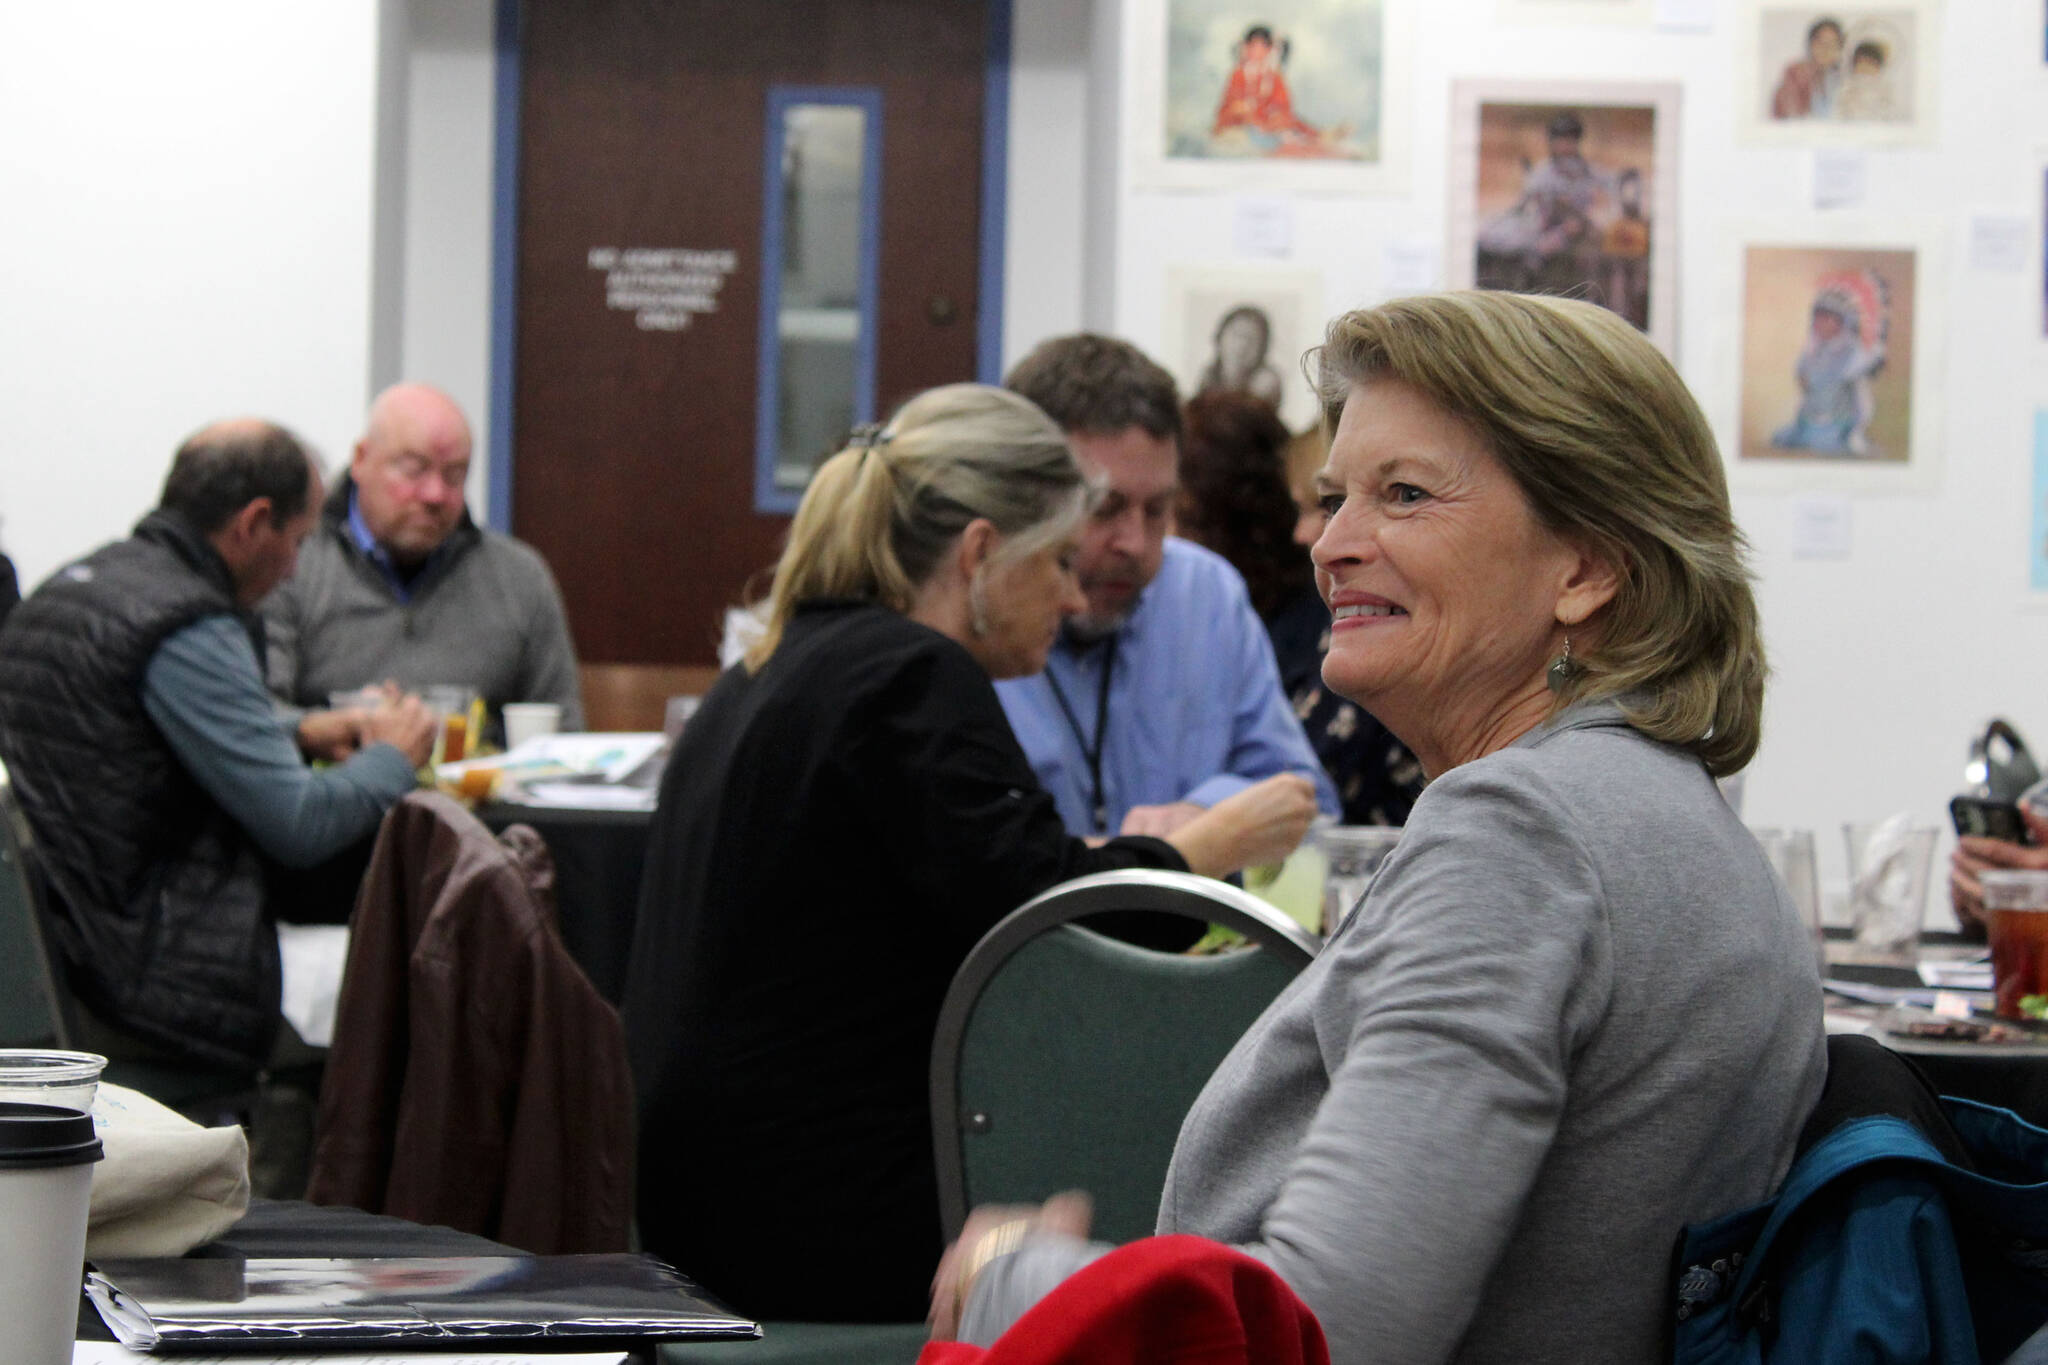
[(550, 763), (1957, 976), (590, 796), (109, 1353)]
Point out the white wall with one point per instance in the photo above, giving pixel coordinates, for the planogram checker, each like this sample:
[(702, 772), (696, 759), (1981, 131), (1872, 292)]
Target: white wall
[(187, 236), (448, 174)]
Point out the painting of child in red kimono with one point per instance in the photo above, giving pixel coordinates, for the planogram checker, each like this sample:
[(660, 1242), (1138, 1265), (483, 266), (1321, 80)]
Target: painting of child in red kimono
[(1256, 116)]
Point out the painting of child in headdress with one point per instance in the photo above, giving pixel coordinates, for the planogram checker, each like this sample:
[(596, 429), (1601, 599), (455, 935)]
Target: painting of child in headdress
[(1827, 353), (1273, 80)]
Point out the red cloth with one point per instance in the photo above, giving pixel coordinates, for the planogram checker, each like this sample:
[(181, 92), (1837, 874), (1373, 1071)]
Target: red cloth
[(477, 1079), (1161, 1301)]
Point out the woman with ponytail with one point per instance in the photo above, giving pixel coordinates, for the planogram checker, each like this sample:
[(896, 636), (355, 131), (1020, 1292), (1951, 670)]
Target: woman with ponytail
[(847, 813)]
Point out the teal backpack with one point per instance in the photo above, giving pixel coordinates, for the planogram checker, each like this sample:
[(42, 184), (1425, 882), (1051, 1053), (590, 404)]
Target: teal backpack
[(1893, 1239)]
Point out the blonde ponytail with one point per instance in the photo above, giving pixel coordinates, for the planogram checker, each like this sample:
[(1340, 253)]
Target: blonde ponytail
[(879, 515)]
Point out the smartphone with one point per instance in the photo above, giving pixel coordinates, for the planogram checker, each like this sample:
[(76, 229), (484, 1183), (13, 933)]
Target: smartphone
[(1988, 819)]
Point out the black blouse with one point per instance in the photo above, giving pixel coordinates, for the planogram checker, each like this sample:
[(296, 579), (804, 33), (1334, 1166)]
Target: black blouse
[(834, 833)]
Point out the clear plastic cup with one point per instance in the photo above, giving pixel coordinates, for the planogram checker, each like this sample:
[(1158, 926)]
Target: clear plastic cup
[(1790, 853), (2016, 917), (68, 1080), (1352, 854), (1888, 868), (454, 704)]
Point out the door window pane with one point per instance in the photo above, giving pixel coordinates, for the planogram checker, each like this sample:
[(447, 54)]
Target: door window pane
[(818, 283)]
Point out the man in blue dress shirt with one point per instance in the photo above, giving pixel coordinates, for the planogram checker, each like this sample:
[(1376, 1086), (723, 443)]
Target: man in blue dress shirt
[(1163, 697)]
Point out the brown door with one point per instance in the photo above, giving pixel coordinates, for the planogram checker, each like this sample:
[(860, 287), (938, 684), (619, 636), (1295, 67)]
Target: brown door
[(644, 185)]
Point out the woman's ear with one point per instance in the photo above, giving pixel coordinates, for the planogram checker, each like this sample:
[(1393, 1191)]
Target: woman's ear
[(976, 545), (1589, 584)]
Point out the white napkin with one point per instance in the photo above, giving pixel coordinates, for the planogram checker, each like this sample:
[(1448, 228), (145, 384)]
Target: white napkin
[(1885, 877), (166, 1185)]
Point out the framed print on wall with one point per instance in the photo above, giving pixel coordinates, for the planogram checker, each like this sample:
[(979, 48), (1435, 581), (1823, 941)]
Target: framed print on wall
[(1838, 349), (1247, 328), (1290, 95), (1827, 76), (1568, 188)]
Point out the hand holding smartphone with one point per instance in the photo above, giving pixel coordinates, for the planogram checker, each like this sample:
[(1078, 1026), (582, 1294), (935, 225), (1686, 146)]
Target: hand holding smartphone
[(1988, 819)]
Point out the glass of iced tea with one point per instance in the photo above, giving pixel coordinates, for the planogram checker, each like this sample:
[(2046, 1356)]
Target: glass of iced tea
[(454, 704), (2016, 913)]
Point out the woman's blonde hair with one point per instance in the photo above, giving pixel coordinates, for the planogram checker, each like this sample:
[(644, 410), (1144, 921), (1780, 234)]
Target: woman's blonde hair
[(1612, 453), (879, 515)]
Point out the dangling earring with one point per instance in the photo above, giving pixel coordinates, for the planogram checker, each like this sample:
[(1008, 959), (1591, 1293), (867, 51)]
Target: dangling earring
[(1563, 669)]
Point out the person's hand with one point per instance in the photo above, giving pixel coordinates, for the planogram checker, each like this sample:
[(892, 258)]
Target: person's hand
[(406, 725), (1160, 821), (1976, 855), (1261, 824), (331, 735), (989, 1231)]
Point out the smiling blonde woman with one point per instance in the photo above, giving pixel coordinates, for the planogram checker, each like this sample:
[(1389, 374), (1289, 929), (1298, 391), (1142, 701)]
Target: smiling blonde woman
[(1575, 1010)]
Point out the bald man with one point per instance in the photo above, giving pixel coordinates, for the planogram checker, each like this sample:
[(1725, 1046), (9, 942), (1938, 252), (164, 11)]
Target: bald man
[(398, 583), (165, 792)]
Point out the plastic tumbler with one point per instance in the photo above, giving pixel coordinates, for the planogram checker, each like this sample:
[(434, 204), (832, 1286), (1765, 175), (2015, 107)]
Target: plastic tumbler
[(2016, 914), (38, 1076), (1888, 867), (1353, 853), (1790, 853), (46, 1156), (454, 705)]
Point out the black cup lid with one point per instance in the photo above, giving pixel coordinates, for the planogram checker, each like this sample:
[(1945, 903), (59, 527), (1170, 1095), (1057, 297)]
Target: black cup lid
[(45, 1135)]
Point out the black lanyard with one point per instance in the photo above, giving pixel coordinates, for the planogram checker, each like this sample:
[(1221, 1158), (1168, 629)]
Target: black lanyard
[(1094, 755)]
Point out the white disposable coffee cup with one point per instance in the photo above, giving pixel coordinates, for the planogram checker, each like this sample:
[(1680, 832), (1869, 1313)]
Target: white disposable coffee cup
[(46, 1157), (526, 720)]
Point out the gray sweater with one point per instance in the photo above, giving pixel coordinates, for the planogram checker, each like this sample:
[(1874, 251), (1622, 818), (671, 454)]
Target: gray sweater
[(486, 614), (1575, 1012)]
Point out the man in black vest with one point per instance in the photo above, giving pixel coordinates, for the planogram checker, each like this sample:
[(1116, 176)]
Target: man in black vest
[(160, 782)]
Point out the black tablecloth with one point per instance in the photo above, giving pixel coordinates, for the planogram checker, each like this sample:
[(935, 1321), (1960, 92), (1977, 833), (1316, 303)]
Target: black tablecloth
[(599, 857)]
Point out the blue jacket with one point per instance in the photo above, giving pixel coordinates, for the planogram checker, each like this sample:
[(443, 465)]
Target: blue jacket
[(1878, 1248)]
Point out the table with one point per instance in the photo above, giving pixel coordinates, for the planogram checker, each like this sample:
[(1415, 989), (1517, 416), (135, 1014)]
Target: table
[(599, 858), (2011, 1075)]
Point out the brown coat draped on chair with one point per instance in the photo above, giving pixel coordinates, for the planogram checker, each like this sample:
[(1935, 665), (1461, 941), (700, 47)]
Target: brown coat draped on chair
[(477, 1079)]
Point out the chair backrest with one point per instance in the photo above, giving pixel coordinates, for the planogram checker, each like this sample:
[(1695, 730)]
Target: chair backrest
[(635, 696), (33, 1012), (1066, 1060)]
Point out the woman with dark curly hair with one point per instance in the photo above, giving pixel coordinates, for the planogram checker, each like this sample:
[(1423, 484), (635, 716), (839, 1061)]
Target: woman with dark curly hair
[(1236, 500)]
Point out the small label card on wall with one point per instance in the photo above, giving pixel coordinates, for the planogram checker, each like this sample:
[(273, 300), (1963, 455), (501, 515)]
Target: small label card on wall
[(1264, 227), (1999, 243), (1410, 268), (1821, 528), (1686, 16), (1839, 175)]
